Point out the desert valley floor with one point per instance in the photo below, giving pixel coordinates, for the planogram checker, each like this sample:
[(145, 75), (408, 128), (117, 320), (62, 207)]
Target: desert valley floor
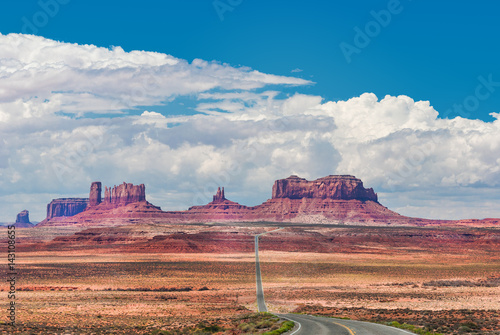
[(148, 278)]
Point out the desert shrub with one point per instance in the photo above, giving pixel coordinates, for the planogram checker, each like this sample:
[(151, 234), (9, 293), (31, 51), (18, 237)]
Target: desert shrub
[(470, 325), (246, 327), (285, 326), (464, 329), (265, 324), (213, 328), (412, 328), (160, 332)]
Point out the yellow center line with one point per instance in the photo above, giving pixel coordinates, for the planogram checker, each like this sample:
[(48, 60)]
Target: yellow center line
[(348, 329)]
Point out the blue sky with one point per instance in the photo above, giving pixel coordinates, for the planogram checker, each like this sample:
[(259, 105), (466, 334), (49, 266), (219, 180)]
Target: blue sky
[(429, 50), (186, 96)]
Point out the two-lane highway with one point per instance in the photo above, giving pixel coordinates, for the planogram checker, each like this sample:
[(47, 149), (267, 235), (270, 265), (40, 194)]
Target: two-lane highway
[(261, 304), (316, 325)]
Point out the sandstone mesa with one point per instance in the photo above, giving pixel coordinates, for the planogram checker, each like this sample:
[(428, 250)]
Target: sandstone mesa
[(335, 199)]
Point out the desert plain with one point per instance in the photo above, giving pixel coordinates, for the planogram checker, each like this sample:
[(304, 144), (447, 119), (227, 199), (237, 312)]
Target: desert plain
[(166, 279)]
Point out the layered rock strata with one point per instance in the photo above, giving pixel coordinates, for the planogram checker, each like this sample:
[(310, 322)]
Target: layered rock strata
[(124, 194), (121, 204), (331, 187), (329, 200), (95, 193), (66, 207)]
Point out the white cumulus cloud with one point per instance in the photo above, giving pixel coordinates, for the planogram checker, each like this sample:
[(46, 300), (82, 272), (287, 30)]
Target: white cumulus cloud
[(66, 120)]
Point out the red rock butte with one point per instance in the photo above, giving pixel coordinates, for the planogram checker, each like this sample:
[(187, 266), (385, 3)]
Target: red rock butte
[(329, 200), (23, 220), (332, 187)]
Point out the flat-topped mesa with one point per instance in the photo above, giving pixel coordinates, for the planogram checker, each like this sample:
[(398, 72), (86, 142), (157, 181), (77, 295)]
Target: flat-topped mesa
[(342, 187), (124, 194), (219, 196), (66, 207)]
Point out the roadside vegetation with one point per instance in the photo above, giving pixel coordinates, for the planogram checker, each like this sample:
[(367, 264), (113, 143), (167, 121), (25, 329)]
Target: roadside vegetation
[(248, 324), (411, 328)]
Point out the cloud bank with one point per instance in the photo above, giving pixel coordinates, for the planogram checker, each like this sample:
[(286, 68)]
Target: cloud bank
[(71, 114)]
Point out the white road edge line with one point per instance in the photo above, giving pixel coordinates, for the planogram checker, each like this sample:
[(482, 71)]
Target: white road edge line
[(300, 326)]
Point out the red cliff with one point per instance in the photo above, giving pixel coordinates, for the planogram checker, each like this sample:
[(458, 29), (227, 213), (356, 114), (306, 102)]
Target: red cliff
[(124, 194), (66, 207), (121, 204), (331, 187), (95, 193), (327, 200)]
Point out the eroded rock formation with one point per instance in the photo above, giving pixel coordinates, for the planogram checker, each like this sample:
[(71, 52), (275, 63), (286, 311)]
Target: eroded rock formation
[(66, 207), (95, 193), (124, 194), (329, 200), (219, 209), (219, 196), (332, 187), (23, 217), (120, 203)]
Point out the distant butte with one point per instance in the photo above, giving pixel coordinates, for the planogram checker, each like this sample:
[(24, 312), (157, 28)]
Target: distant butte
[(23, 220), (23, 217), (335, 199)]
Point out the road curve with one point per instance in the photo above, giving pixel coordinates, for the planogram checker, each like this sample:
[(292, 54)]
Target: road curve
[(317, 325)]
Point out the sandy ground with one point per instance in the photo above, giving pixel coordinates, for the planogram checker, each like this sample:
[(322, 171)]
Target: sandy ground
[(92, 291)]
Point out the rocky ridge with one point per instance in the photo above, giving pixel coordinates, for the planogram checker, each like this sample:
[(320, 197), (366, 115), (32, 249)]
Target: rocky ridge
[(340, 200), (69, 211)]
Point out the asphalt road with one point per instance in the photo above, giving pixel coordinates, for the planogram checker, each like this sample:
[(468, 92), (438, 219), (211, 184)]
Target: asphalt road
[(315, 325), (261, 304)]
